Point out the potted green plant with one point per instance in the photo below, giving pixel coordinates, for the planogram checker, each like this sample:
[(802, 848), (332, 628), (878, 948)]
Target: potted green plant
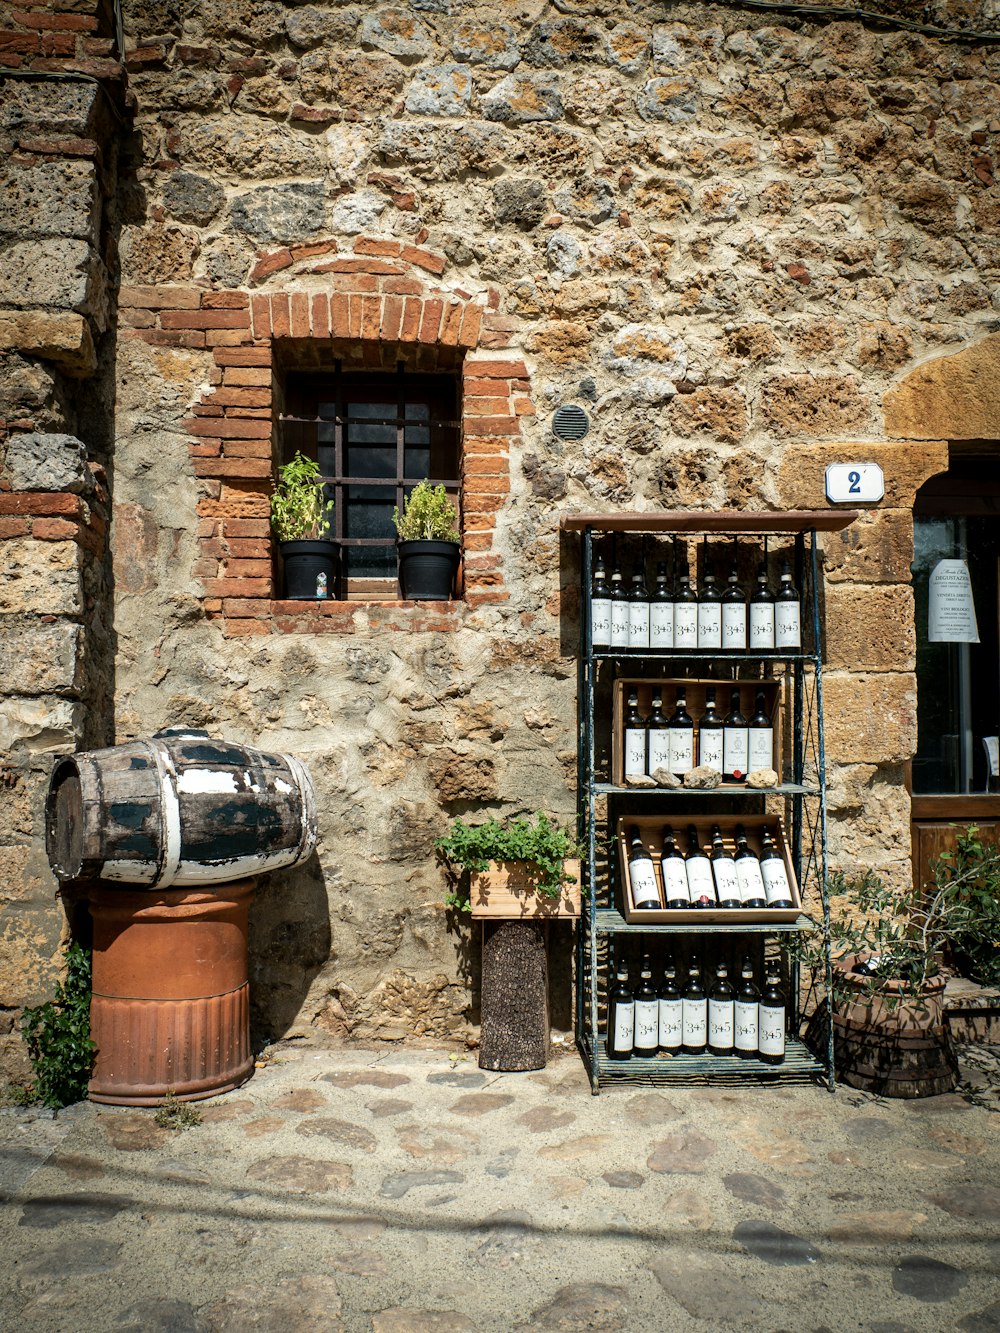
[(886, 991), (300, 519), (515, 869), (428, 543)]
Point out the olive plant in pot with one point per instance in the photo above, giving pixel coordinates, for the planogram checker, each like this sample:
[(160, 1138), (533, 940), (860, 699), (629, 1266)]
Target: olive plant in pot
[(516, 869), (428, 543), (300, 519)]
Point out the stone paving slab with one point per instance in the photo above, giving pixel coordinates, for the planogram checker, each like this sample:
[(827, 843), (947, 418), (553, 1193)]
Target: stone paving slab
[(358, 1191)]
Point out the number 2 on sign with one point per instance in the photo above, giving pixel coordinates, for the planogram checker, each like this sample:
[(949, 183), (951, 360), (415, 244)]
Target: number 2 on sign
[(855, 479)]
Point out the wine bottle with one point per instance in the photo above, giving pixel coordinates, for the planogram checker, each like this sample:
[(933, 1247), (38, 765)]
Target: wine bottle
[(638, 613), (771, 1018), (748, 874), (745, 1014), (761, 615), (735, 741), (671, 1019), (661, 611), (721, 1014), (727, 886), (621, 1017), (673, 873), (787, 615), (710, 734), (734, 615), (760, 744), (658, 735), (694, 1012), (642, 876), (600, 606), (777, 889), (681, 726), (634, 760), (701, 885), (619, 610), (709, 613), (685, 614), (647, 1012)]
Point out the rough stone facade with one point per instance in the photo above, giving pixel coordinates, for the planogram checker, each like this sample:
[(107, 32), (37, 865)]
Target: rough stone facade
[(747, 244)]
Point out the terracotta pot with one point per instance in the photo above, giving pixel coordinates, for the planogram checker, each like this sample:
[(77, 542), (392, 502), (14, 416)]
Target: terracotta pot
[(170, 1007)]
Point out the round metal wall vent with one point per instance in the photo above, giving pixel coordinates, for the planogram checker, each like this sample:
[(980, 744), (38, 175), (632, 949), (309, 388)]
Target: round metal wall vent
[(570, 422)]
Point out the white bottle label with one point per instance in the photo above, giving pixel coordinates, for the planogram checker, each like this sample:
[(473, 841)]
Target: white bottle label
[(710, 748), (709, 625), (787, 630), (761, 749), (635, 751), (671, 1024), (721, 1023), (619, 624), (761, 626), (725, 879), (745, 1022), (624, 1027), (681, 749), (771, 1030), (735, 752), (638, 624), (750, 880), (647, 1025), (694, 1022), (699, 878), (675, 880), (661, 625), (776, 886), (686, 625), (642, 877), (600, 622), (734, 625), (659, 748)]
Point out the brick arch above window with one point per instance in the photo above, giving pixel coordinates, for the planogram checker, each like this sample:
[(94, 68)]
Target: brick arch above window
[(383, 302)]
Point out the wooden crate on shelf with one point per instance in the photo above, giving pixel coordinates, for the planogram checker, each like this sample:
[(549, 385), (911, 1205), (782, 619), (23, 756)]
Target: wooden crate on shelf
[(507, 891), (695, 691), (651, 831)]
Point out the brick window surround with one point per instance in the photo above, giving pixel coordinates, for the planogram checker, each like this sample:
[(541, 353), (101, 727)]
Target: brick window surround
[(370, 309)]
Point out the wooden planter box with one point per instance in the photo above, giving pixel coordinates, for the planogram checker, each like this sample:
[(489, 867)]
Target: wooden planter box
[(507, 891)]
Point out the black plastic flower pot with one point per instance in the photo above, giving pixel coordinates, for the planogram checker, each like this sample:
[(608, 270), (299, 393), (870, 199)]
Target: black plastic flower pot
[(310, 569), (427, 570)]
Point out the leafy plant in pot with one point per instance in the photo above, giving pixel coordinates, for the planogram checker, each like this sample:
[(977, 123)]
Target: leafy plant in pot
[(519, 868), (300, 519), (428, 543)]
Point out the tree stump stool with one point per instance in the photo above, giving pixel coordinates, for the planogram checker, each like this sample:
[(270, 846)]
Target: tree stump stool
[(514, 1035)]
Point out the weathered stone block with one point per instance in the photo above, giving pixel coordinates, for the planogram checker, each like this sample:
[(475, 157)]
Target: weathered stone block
[(560, 42), (276, 214), (358, 212), (870, 719), (953, 397), (440, 90), (308, 26), (157, 254), (408, 1005), (258, 149), (869, 627), (41, 659), (398, 33), (518, 200), (65, 338), (40, 578), (628, 47), (40, 726), (876, 548), (720, 412), (49, 105), (62, 273), (524, 97), (193, 198), (463, 777), (40, 462), (802, 473), (50, 199), (675, 100), (813, 405), (586, 199), (639, 349), (493, 44)]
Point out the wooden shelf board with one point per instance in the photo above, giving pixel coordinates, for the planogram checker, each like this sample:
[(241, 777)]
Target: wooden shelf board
[(709, 521)]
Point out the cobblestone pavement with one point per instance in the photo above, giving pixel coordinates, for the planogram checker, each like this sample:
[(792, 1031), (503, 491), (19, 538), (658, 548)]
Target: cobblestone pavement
[(408, 1192)]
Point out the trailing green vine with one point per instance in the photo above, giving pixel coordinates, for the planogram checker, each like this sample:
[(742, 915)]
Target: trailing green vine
[(471, 847), (57, 1035)]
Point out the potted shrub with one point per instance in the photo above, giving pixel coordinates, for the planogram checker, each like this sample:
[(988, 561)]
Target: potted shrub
[(428, 543), (300, 519), (517, 869), (886, 998)]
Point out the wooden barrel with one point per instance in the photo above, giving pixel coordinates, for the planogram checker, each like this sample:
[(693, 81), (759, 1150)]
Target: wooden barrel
[(169, 1008), (893, 1044), (178, 810)]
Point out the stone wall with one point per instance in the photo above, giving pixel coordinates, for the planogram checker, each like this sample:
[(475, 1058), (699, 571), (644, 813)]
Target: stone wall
[(731, 237)]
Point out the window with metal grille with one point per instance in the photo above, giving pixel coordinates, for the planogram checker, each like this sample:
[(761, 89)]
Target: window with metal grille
[(375, 435)]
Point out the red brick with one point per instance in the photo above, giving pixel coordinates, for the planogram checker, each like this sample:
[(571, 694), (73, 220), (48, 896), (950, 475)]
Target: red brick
[(495, 342), (46, 503), (402, 287), (245, 628), (245, 527), (430, 321), (485, 486), (497, 425), (484, 465), (13, 527), (97, 69), (477, 541), (392, 318), (228, 428), (20, 41), (476, 406), (254, 376), (371, 317), (227, 397), (452, 323), (247, 569), (487, 503), (63, 22), (300, 252), (370, 245), (161, 298), (138, 319), (225, 301), (471, 322), (299, 314), (231, 467), (379, 267), (280, 317), (249, 413), (60, 145), (240, 607), (496, 370), (248, 548), (226, 337), (412, 315), (247, 356), (425, 259), (247, 448), (320, 315), (524, 407), (272, 263), (205, 449), (204, 319), (354, 307), (340, 321), (489, 445)]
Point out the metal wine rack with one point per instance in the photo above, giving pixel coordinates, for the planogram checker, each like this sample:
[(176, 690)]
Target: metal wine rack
[(800, 801)]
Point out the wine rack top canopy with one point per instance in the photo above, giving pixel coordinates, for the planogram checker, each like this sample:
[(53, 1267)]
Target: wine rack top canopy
[(724, 521)]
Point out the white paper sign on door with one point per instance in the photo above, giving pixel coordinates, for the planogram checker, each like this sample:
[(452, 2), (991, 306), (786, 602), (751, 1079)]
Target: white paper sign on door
[(952, 613)]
